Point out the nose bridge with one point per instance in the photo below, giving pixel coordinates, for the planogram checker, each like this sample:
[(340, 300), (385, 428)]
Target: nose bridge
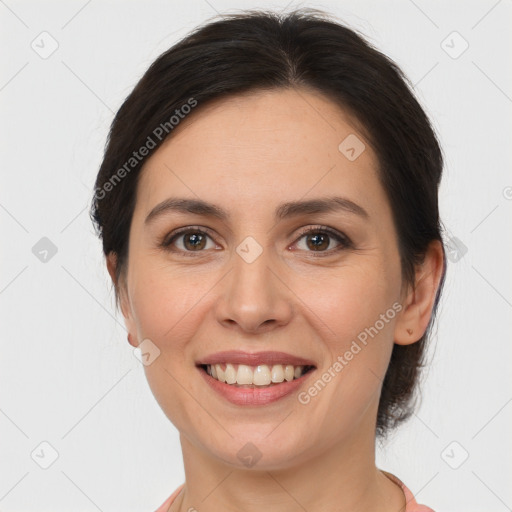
[(253, 296)]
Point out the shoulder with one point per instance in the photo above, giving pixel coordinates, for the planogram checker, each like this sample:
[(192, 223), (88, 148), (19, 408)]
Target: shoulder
[(164, 507), (411, 505)]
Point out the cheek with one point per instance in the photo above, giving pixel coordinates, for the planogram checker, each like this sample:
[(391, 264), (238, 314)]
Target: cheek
[(165, 303), (168, 308), (350, 302), (355, 314)]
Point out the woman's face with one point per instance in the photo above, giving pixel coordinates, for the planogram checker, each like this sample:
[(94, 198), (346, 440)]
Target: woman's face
[(256, 283)]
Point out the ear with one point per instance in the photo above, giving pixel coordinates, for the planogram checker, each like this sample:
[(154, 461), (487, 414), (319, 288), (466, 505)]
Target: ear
[(419, 302), (124, 302)]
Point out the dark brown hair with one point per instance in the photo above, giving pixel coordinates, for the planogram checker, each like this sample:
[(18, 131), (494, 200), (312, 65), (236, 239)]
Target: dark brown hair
[(260, 50)]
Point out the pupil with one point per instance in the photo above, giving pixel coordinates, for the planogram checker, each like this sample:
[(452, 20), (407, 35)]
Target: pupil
[(316, 237), (195, 239)]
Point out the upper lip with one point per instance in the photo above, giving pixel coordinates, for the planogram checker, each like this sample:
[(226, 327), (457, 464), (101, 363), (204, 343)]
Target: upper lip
[(254, 358)]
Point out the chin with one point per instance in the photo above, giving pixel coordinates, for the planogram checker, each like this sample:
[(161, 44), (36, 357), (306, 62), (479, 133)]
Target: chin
[(253, 448)]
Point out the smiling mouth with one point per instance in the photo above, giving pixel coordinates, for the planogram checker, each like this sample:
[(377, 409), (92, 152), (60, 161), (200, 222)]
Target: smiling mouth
[(260, 376)]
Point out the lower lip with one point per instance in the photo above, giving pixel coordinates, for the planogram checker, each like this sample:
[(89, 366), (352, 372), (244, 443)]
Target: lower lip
[(255, 395)]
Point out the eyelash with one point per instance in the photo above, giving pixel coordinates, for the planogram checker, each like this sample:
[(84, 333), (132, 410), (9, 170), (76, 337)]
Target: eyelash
[(344, 241)]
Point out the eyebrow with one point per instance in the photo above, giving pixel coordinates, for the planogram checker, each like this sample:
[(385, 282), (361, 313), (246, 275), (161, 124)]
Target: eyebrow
[(284, 210)]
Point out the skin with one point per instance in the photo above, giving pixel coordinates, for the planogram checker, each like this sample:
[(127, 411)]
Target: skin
[(248, 154)]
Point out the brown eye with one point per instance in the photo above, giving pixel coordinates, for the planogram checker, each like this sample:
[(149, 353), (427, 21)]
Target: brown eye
[(320, 240), (317, 241), (194, 241), (188, 240)]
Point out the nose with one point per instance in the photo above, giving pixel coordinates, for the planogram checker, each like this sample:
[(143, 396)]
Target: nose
[(254, 297)]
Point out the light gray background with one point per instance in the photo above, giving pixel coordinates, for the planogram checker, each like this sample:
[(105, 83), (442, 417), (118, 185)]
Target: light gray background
[(67, 374)]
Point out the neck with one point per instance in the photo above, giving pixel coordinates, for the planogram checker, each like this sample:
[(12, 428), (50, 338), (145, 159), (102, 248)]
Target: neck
[(342, 477)]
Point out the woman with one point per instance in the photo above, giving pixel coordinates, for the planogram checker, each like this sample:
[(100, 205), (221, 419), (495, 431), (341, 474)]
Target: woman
[(268, 209)]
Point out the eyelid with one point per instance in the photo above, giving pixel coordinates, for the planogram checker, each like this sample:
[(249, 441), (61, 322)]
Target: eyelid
[(181, 231)]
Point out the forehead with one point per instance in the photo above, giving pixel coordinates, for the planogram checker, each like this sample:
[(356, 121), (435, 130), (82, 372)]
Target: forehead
[(278, 144)]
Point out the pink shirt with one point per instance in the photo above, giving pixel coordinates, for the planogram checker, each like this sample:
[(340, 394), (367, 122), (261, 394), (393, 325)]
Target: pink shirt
[(411, 504)]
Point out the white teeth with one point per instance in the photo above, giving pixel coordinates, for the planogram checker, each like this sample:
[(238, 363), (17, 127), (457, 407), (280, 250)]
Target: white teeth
[(277, 373), (244, 374), (221, 374), (230, 374), (261, 375)]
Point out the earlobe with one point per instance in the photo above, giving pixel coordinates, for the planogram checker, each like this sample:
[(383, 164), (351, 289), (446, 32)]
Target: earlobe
[(420, 301), (133, 343), (407, 327)]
